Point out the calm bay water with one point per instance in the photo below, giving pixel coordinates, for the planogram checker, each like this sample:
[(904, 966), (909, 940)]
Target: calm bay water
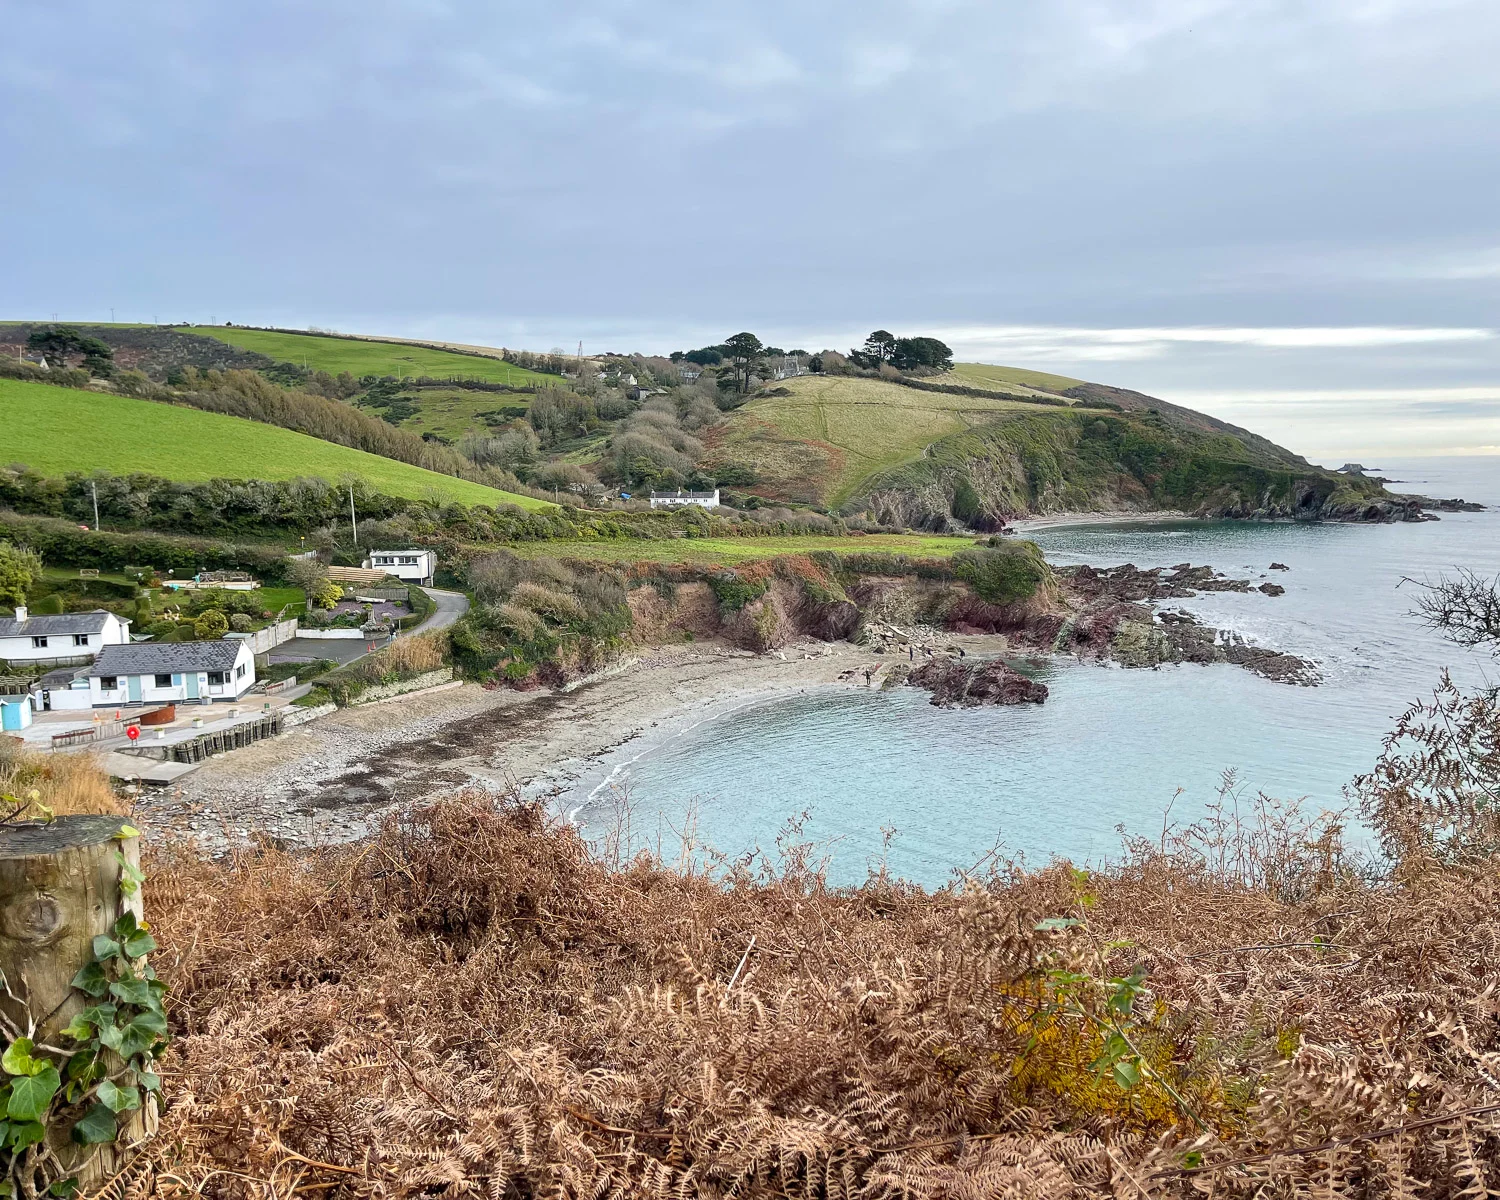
[(1110, 747)]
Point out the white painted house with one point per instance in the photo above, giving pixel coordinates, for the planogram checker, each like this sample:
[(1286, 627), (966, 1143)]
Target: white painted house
[(61, 637), (684, 499), (164, 672), (411, 566)]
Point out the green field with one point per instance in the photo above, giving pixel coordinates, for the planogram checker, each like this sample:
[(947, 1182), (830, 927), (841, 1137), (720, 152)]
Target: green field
[(360, 357), (832, 433), (1008, 378), (56, 430), (452, 412), (728, 551)]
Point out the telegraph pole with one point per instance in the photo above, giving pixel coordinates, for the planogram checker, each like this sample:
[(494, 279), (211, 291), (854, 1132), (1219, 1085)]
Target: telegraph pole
[(94, 488), (352, 524)]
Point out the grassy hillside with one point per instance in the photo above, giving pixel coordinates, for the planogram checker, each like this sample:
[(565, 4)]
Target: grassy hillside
[(58, 430), (1010, 378), (731, 550), (360, 357), (830, 434)]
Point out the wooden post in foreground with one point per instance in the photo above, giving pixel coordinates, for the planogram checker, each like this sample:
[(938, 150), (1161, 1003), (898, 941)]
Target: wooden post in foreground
[(59, 888)]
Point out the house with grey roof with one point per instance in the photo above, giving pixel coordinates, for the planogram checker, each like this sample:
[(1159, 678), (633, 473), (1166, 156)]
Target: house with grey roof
[(171, 672), (61, 638)]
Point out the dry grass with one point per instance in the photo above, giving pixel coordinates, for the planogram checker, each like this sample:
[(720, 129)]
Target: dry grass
[(475, 1004), (68, 783)]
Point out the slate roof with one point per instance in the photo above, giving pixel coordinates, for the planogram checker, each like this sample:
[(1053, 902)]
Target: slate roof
[(57, 625), (166, 658)]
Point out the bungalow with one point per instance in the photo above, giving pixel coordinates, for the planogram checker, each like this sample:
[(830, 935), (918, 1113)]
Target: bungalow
[(412, 566), (163, 672), (60, 638), (684, 499)]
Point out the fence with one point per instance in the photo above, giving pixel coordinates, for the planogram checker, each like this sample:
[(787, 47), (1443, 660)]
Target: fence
[(281, 685), (395, 595), (81, 737), (271, 636)]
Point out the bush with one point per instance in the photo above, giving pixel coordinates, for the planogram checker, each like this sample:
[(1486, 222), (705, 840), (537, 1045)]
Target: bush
[(241, 622), (325, 594), (212, 624), (1003, 574), (48, 605)]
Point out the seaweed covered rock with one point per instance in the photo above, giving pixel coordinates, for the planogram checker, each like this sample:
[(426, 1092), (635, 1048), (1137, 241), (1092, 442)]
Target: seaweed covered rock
[(968, 685)]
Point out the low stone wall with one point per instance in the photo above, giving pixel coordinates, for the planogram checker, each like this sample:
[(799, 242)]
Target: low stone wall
[(301, 716), (385, 691), (330, 633)]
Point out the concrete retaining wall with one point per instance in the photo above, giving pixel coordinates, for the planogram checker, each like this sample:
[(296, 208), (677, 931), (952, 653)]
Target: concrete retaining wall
[(268, 638), (301, 716), (385, 691)]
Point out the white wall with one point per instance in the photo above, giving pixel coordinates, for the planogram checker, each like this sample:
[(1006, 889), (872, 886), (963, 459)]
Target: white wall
[(423, 568), (60, 645)]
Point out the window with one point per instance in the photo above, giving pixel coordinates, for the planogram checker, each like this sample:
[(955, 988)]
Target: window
[(80, 639), (38, 643), (408, 560), (217, 678), (239, 671), (108, 683), (164, 681)]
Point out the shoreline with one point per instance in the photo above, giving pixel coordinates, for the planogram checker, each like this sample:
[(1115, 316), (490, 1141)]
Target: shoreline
[(1056, 520), (334, 779)]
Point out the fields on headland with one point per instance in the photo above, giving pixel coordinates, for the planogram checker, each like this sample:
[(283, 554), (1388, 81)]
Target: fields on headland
[(360, 357), (59, 430)]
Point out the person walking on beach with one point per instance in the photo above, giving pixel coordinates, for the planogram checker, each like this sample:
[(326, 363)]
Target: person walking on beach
[(961, 653), (869, 671)]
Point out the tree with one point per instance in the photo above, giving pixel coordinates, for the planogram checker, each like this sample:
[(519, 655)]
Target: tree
[(58, 343), (879, 347), (19, 569), (325, 594), (212, 624), (909, 353), (1464, 608), (744, 351), (305, 573)]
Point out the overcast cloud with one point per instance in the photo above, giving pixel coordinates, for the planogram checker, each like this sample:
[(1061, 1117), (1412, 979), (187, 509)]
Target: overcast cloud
[(1281, 212)]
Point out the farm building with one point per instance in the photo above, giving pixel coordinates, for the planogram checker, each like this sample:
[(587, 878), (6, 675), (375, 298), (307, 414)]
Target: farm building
[(60, 638), (412, 566), (684, 499), (157, 672)]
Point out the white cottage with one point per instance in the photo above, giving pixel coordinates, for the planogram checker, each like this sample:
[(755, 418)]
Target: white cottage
[(64, 637), (164, 672), (685, 499), (411, 566)]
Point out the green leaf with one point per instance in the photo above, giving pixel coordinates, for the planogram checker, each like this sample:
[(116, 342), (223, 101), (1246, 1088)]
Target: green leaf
[(140, 1034), (17, 1058), (83, 1065), (126, 925), (27, 1133), (105, 947), (150, 1081), (91, 980), (1127, 1073), (132, 991), (1056, 924), (98, 1125), (1193, 1158), (111, 1036), (64, 1189), (127, 831), (30, 1095), (118, 1098), (138, 944)]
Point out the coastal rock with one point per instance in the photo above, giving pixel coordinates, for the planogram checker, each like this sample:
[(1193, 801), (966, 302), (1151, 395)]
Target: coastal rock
[(1280, 567), (1272, 589), (1131, 583), (954, 683)]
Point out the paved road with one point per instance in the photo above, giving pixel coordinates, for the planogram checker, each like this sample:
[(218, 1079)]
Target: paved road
[(450, 606)]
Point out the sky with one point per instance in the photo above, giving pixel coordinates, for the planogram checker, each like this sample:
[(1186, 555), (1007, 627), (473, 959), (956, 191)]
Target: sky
[(1279, 212)]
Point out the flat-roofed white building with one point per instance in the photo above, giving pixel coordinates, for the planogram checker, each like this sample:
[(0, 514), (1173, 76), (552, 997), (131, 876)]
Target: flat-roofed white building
[(684, 499), (410, 566)]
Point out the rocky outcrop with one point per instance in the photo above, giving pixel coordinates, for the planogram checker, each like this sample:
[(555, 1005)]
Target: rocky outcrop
[(955, 683), (1129, 582), (1179, 638)]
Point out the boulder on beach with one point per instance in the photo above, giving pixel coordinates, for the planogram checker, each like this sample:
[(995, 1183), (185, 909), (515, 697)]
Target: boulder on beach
[(968, 685)]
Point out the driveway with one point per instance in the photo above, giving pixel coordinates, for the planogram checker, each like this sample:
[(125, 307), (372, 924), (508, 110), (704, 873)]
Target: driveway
[(450, 606)]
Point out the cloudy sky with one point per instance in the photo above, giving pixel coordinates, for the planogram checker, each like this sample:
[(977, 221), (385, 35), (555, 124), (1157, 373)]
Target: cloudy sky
[(1281, 212)]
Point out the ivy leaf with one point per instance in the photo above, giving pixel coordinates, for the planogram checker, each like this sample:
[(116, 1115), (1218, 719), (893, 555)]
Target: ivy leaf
[(150, 1081), (91, 980), (117, 1098), (138, 944), (1127, 1073), (140, 1034), (97, 1126), (83, 1065), (126, 831), (27, 1133), (30, 1094), (64, 1189), (126, 925), (17, 1058), (105, 947), (111, 1036), (132, 991)]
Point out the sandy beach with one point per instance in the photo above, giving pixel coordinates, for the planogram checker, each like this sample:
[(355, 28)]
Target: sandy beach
[(334, 778), (1054, 520)]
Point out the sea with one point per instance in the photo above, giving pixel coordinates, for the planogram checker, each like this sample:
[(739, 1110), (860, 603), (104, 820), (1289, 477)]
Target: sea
[(871, 778)]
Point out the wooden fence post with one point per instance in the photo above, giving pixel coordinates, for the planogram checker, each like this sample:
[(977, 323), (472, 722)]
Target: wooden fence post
[(59, 888)]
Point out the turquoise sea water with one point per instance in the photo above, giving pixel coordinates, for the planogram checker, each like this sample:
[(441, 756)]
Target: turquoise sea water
[(1110, 747)]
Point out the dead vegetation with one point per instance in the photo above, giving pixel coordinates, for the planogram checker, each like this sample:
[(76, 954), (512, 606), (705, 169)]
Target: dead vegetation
[(69, 783), (475, 1004)]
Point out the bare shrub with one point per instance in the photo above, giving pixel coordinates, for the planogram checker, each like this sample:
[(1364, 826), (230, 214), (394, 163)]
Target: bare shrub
[(69, 782)]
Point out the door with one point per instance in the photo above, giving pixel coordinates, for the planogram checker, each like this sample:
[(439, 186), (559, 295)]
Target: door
[(133, 688), (192, 685)]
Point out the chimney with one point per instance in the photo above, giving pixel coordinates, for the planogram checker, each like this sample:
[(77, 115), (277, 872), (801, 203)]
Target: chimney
[(20, 612)]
